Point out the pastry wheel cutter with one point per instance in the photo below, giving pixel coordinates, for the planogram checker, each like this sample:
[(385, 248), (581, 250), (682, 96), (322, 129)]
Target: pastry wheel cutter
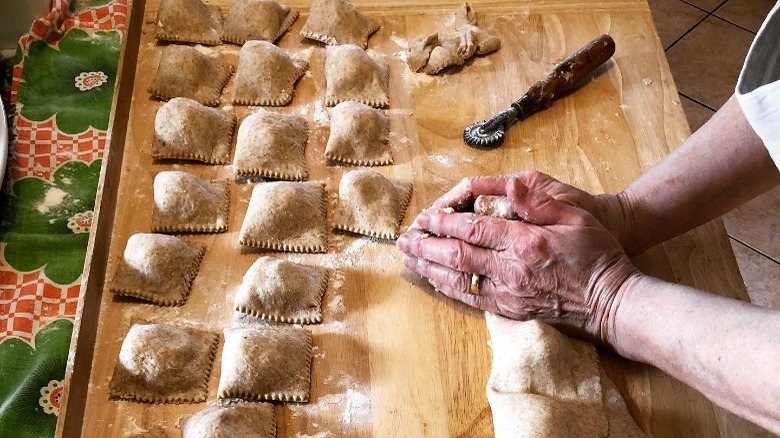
[(563, 79)]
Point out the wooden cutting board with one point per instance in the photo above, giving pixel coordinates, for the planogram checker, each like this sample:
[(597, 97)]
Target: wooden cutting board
[(392, 357)]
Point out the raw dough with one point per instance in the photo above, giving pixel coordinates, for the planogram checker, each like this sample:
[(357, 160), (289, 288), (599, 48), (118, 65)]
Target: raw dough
[(233, 421), (164, 363), (359, 135), (371, 204), (335, 22), (185, 129), (272, 145), (496, 206), (266, 75), (286, 216), (257, 20), (185, 72), (279, 290), (350, 74), (188, 21), (543, 384), (184, 202), (266, 363), (455, 44), (157, 268)]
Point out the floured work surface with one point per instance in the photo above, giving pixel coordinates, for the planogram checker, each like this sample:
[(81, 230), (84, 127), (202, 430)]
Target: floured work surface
[(390, 357)]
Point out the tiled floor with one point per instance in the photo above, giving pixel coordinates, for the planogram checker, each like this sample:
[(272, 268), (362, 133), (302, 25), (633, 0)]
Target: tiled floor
[(706, 42)]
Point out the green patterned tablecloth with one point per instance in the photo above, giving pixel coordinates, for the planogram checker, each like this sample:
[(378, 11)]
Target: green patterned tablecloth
[(61, 93)]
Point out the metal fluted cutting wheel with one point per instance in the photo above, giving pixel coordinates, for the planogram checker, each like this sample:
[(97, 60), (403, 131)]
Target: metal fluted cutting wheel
[(475, 135)]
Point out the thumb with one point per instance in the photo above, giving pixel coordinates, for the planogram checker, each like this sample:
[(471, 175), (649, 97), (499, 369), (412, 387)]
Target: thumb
[(539, 208)]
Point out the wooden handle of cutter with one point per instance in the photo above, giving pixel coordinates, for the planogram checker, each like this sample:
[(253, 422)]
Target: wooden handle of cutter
[(566, 75)]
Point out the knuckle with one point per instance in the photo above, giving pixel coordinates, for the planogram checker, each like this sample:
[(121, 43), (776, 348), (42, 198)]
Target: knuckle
[(460, 283), (476, 231), (457, 256)]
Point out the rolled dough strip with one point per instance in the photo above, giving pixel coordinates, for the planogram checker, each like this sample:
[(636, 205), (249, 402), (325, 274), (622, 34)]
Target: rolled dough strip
[(545, 385)]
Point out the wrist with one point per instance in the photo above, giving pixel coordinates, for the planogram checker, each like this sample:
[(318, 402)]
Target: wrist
[(611, 288), (616, 330), (616, 213)]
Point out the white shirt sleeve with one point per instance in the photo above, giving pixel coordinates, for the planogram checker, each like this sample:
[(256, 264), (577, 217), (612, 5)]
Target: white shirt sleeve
[(758, 88)]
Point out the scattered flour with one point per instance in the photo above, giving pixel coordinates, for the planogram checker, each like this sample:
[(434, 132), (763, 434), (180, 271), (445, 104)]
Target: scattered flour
[(305, 54), (321, 116), (336, 305), (323, 434), (442, 160), (400, 42)]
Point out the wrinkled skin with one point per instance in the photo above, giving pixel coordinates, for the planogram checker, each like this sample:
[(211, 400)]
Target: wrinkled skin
[(559, 265)]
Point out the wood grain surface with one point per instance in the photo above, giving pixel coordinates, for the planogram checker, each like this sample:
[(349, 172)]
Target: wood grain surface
[(392, 358)]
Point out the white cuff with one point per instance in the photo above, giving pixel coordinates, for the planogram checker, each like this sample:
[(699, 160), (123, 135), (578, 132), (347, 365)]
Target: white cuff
[(758, 88), (762, 109)]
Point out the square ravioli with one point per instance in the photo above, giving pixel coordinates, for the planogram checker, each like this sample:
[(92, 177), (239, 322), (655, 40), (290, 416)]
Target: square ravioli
[(266, 75), (185, 203), (272, 145), (279, 290), (286, 216), (188, 130), (188, 21), (185, 72), (157, 268), (263, 20), (266, 363), (359, 135), (371, 204), (335, 22), (350, 74), (164, 363), (233, 421)]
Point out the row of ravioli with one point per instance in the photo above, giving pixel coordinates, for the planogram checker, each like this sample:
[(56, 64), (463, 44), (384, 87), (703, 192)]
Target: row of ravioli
[(266, 75), (281, 216), (172, 362), (268, 144), (330, 21)]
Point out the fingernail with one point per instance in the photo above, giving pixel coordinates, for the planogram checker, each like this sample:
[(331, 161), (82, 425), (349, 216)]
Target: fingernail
[(423, 219)]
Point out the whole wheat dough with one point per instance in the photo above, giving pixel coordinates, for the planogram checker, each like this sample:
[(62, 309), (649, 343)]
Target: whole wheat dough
[(457, 40), (545, 385)]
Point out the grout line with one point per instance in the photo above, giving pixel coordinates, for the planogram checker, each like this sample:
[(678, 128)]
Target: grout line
[(756, 250), (699, 7), (686, 33), (733, 23), (709, 13), (697, 101), (702, 9)]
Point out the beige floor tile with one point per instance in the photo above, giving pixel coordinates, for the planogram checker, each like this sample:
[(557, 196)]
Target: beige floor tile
[(761, 275), (746, 13), (756, 223), (707, 61), (673, 18), (696, 114), (707, 5)]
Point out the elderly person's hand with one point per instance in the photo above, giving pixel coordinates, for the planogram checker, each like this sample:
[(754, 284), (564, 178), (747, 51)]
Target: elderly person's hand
[(606, 208), (559, 265)]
